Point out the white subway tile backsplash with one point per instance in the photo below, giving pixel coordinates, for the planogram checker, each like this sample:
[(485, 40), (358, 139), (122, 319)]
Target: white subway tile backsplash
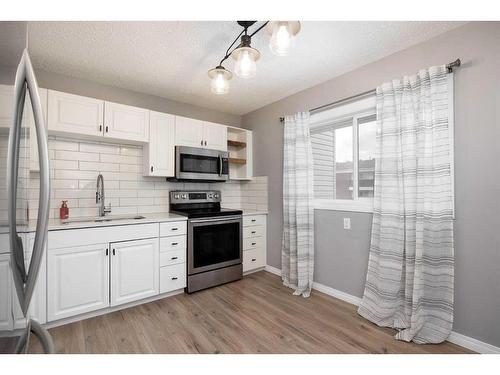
[(100, 167), (74, 155), (100, 148), (75, 166)]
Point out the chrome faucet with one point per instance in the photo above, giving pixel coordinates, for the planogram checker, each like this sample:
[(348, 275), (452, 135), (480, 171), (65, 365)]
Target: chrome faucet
[(99, 197)]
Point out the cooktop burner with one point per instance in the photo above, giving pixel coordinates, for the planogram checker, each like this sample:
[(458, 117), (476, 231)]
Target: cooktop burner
[(199, 204)]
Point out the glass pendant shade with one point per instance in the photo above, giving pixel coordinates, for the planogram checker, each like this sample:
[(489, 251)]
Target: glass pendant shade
[(282, 36), (245, 61), (220, 77)]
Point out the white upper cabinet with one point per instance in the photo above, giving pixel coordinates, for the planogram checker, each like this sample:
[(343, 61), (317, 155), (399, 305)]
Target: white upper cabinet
[(77, 280), (196, 133), (75, 114), (215, 136), (6, 105), (134, 270), (126, 122), (158, 154), (189, 132)]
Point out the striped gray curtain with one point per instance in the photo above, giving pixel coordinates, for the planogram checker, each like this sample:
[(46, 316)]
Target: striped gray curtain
[(297, 253), (409, 283)]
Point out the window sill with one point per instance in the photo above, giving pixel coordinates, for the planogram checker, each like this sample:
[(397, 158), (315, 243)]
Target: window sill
[(344, 205)]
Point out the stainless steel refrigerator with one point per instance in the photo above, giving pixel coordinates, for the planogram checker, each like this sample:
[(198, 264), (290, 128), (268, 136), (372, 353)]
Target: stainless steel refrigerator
[(22, 238)]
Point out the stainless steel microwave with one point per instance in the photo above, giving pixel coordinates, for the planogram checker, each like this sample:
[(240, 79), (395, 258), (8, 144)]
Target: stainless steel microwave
[(194, 164)]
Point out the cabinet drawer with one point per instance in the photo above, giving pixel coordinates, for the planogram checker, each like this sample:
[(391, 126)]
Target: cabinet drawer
[(254, 220), (173, 243), (254, 231), (252, 243), (253, 259), (169, 258), (172, 277), (173, 228)]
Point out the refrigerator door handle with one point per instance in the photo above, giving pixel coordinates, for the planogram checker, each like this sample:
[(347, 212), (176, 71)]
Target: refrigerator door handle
[(25, 282)]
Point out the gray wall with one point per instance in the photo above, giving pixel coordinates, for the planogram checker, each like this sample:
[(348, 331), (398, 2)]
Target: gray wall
[(341, 255)]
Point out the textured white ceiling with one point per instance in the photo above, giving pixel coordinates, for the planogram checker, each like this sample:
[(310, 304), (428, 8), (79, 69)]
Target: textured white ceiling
[(171, 59)]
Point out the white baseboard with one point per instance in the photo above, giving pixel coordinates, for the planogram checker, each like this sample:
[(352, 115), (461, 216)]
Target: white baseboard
[(455, 338), (473, 344)]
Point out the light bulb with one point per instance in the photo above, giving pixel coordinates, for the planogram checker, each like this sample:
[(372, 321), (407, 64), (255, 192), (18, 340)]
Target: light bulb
[(282, 36), (219, 84), (220, 77), (281, 40), (245, 65)]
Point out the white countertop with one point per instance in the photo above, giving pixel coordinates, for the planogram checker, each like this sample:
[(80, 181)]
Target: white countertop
[(56, 224), (251, 212)]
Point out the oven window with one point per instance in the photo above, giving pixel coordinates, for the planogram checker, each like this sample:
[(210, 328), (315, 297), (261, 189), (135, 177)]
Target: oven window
[(199, 164), (215, 243)]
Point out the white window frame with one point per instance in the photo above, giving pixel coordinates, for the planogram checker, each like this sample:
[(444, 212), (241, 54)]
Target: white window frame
[(355, 110)]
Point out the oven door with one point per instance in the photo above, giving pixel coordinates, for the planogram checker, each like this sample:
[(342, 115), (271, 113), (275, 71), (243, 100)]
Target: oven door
[(193, 163), (214, 243)]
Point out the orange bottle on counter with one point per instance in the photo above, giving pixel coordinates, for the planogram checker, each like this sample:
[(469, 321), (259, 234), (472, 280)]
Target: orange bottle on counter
[(64, 210)]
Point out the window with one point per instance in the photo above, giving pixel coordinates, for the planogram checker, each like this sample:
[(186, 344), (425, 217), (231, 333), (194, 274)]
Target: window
[(343, 146)]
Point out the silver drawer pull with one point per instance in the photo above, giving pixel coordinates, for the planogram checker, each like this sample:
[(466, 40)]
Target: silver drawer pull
[(175, 243), (173, 258), (174, 278)]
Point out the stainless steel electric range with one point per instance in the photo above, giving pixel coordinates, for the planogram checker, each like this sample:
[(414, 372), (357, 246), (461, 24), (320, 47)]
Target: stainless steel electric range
[(214, 239)]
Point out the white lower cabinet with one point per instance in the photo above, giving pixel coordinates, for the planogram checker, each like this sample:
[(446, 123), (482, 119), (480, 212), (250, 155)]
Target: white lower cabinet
[(123, 267), (38, 304), (5, 293), (77, 280), (134, 270), (254, 242), (172, 277)]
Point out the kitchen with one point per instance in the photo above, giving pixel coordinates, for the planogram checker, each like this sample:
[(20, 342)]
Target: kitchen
[(234, 187)]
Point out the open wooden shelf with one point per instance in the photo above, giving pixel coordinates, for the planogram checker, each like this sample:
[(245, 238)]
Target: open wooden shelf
[(236, 143), (237, 161)]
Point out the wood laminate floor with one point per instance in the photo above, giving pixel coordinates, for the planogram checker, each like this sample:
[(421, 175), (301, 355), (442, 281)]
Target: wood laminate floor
[(255, 315)]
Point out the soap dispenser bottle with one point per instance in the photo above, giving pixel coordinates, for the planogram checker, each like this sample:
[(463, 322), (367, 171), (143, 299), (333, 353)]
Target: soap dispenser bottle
[(64, 210)]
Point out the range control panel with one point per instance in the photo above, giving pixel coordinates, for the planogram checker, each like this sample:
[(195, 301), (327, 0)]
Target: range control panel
[(191, 196)]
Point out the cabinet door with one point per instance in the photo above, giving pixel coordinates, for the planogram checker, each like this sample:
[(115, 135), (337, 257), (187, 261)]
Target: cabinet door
[(74, 114), (189, 132), (34, 161), (38, 306), (126, 122), (6, 105), (5, 293), (77, 280), (159, 152), (134, 270), (215, 136)]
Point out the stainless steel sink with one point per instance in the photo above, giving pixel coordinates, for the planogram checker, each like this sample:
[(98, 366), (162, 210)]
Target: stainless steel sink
[(101, 219)]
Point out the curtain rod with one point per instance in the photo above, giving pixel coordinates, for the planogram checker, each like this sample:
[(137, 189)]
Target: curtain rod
[(449, 67)]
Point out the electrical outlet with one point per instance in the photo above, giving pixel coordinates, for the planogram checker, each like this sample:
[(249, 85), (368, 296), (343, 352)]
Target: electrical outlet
[(347, 223)]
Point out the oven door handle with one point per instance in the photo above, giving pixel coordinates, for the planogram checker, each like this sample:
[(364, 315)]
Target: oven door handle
[(221, 219)]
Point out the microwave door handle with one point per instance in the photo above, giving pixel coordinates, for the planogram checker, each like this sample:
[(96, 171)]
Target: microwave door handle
[(220, 165)]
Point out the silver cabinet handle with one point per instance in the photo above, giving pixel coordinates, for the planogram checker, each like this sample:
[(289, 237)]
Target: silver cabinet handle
[(25, 282)]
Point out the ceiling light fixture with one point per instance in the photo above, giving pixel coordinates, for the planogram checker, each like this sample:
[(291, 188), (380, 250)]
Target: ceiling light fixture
[(282, 39), (282, 36)]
